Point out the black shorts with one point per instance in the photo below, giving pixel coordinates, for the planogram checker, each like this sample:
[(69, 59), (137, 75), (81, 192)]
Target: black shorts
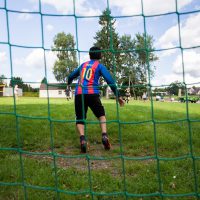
[(89, 100)]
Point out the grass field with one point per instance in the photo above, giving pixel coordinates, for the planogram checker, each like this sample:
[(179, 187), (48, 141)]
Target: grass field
[(155, 150)]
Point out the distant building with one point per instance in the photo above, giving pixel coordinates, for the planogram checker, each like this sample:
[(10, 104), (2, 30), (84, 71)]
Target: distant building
[(194, 91), (1, 89), (9, 91), (54, 90)]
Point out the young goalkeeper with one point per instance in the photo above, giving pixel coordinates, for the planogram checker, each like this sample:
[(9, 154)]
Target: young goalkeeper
[(87, 90)]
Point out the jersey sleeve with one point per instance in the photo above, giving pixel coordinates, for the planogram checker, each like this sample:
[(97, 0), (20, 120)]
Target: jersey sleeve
[(109, 79), (73, 75)]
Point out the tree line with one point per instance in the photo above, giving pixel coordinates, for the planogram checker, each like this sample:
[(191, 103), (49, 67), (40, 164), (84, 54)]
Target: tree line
[(172, 89), (18, 81), (130, 60)]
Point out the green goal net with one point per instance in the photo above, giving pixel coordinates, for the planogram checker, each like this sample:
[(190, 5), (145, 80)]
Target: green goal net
[(155, 145)]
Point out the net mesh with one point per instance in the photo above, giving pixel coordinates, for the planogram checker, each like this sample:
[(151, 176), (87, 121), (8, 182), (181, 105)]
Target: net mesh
[(89, 179)]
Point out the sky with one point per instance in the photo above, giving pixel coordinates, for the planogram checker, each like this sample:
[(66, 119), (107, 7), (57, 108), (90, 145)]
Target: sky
[(25, 32)]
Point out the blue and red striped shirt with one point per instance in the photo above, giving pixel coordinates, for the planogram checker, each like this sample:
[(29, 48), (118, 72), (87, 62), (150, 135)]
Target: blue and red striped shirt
[(89, 74)]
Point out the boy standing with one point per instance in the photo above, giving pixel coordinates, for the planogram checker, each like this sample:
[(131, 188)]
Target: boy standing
[(87, 90)]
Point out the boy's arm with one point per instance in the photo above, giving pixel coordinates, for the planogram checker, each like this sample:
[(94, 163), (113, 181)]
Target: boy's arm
[(73, 75), (110, 81)]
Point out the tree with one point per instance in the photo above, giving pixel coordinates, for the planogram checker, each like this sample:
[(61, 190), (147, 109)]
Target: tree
[(174, 88), (64, 46), (128, 56), (44, 80), (157, 90), (18, 81), (2, 79), (136, 59), (132, 57), (108, 40), (145, 57)]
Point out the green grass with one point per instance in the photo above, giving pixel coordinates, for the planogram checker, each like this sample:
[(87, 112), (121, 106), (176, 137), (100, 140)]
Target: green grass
[(40, 128)]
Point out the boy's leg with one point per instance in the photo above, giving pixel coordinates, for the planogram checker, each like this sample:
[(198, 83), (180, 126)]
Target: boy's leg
[(80, 116), (102, 121), (105, 139), (80, 128), (83, 142), (98, 110)]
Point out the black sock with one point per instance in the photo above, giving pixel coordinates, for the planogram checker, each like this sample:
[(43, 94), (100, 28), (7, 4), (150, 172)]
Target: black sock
[(82, 137)]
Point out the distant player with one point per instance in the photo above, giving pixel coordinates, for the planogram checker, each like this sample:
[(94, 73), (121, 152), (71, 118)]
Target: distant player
[(16, 90), (144, 96), (87, 89), (67, 92), (127, 95)]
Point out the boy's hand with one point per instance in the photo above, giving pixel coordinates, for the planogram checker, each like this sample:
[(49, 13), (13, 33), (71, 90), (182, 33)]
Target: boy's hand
[(121, 101)]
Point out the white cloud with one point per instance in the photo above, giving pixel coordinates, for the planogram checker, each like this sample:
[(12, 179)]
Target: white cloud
[(32, 67), (3, 57), (35, 59), (166, 79), (25, 16), (170, 38), (82, 7), (159, 7), (127, 7), (50, 59), (182, 3), (49, 27), (191, 61), (189, 31), (130, 7), (61, 5)]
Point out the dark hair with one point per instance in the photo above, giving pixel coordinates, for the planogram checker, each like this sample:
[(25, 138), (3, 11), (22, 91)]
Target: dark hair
[(95, 53)]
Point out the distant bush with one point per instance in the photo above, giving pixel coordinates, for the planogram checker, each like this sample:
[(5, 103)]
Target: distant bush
[(31, 94)]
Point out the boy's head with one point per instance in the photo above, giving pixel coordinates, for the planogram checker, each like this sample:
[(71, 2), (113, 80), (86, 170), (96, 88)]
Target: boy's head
[(95, 53)]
